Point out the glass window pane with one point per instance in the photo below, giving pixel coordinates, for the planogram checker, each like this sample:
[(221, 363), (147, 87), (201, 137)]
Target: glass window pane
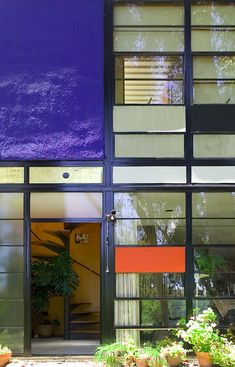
[(152, 80), (149, 118), (11, 259), (141, 336), (213, 231), (81, 175), (11, 205), (210, 174), (149, 146), (66, 205), (213, 205), (221, 91), (12, 175), (11, 313), (214, 272), (13, 337), (149, 313), (150, 174), (214, 67), (150, 232), (11, 286), (224, 308), (148, 39), (170, 13), (11, 232), (214, 39), (213, 13), (214, 146), (150, 204), (150, 285)]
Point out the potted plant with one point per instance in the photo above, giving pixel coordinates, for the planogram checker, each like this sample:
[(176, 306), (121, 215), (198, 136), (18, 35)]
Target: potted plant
[(174, 353), (5, 355), (223, 353), (112, 354), (200, 332), (50, 277)]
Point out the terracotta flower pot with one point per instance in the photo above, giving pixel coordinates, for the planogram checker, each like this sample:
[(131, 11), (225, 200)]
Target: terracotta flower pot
[(5, 358), (141, 362), (204, 359), (174, 362)]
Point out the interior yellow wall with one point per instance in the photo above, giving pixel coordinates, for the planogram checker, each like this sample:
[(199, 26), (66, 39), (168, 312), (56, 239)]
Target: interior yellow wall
[(87, 254)]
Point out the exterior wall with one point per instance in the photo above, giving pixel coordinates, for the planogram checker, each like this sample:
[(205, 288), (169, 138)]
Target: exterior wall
[(51, 80)]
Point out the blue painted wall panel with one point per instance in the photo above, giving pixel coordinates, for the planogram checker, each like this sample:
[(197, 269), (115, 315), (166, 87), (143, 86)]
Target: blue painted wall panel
[(51, 79)]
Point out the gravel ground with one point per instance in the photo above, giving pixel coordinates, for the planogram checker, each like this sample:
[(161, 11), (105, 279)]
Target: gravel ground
[(66, 362)]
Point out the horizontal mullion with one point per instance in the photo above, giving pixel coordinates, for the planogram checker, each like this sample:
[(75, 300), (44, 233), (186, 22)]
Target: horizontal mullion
[(149, 299), (149, 218), (147, 53), (149, 133), (211, 132)]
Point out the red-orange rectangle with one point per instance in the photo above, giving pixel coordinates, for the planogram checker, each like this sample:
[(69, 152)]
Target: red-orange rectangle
[(150, 260)]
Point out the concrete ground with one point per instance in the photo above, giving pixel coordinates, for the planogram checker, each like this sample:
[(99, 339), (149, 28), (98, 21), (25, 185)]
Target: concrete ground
[(59, 346)]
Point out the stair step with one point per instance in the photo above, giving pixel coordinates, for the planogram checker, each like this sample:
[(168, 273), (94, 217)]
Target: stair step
[(83, 334), (85, 331), (84, 322), (73, 305), (63, 235)]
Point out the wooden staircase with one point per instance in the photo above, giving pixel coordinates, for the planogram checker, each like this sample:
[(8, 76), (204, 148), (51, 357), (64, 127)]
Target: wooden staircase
[(84, 323)]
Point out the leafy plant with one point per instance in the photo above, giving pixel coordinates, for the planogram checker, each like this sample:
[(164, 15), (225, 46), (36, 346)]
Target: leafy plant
[(54, 277), (4, 349), (223, 353), (174, 350), (113, 354), (200, 331)]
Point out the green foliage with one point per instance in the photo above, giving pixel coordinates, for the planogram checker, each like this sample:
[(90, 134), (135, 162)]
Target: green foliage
[(200, 331), (207, 263), (52, 278), (174, 350), (4, 349), (113, 354), (223, 353)]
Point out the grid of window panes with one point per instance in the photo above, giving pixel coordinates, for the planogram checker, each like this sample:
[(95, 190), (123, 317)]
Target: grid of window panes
[(213, 50), (11, 271), (148, 45), (145, 301), (213, 237)]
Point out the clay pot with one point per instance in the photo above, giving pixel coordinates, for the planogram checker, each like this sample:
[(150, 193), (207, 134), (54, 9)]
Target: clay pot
[(45, 331), (204, 359), (141, 362), (5, 358), (174, 362)]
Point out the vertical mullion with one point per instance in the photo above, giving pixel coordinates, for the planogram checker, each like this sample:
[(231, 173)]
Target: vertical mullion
[(189, 272), (188, 91), (27, 276)]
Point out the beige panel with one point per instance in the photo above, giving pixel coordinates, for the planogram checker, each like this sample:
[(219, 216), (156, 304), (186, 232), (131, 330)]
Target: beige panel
[(81, 175), (214, 205), (148, 15), (148, 118), (216, 14), (213, 40), (154, 146), (214, 92), (12, 175), (150, 174), (219, 174), (214, 146), (11, 205), (66, 205), (215, 67), (141, 40)]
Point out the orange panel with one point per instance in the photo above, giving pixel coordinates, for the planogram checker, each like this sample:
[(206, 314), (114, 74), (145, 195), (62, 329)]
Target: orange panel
[(150, 260)]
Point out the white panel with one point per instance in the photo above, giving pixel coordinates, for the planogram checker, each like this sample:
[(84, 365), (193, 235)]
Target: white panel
[(149, 146), (214, 146), (219, 174), (213, 40), (214, 92), (144, 40), (149, 118), (213, 14), (11, 205), (158, 14), (66, 205), (150, 174)]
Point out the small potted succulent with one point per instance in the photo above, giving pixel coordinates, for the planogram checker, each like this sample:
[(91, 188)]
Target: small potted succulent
[(5, 355)]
